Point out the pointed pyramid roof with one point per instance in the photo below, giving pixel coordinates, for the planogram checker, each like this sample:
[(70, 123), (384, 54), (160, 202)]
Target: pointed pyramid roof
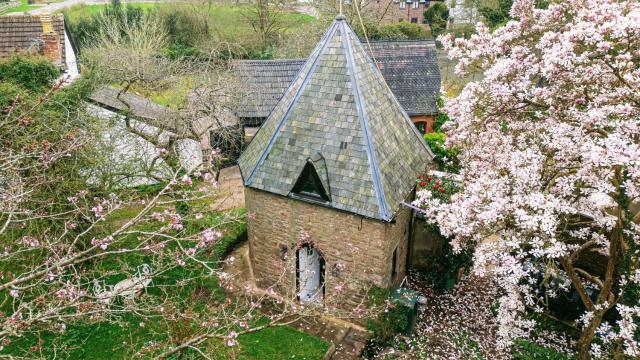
[(339, 108)]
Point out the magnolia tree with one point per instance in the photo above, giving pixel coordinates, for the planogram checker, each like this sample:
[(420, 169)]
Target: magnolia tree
[(549, 143), (75, 252)]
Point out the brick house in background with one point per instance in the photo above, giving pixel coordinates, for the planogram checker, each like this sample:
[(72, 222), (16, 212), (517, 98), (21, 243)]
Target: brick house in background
[(333, 161), (405, 10), (42, 34), (410, 69)]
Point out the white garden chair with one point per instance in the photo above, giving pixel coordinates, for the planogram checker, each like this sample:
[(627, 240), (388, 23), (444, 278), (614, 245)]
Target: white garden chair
[(103, 293), (129, 288)]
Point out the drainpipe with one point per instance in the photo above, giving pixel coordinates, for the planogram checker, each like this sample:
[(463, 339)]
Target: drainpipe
[(409, 260)]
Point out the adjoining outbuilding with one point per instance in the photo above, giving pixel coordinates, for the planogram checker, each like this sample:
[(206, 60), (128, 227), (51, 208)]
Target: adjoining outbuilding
[(409, 67), (44, 35), (325, 177), (195, 134)]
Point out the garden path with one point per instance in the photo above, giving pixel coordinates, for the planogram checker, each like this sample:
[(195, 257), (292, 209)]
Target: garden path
[(229, 190), (55, 6)]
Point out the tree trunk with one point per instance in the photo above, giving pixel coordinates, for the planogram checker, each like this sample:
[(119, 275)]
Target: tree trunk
[(586, 338)]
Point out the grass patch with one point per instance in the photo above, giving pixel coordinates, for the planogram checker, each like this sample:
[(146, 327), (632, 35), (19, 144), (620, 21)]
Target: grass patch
[(24, 6), (78, 11), (281, 342), (103, 340)]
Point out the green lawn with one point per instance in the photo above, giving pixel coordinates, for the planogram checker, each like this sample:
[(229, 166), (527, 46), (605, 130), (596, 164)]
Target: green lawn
[(226, 18), (227, 21), (231, 21), (24, 6), (124, 336), (281, 342), (112, 341), (76, 12)]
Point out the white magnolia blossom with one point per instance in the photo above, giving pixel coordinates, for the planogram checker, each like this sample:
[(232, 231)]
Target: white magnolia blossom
[(549, 144)]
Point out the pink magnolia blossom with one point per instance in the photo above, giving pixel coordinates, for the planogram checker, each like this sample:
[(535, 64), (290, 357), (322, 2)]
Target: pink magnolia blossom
[(186, 179), (231, 339)]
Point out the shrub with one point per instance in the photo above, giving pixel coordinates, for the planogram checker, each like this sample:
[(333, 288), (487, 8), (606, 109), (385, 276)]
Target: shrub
[(437, 17), (8, 93), (410, 30), (181, 51), (442, 116), (398, 31), (85, 29), (441, 188), (30, 72), (184, 26), (436, 137), (388, 323), (447, 159)]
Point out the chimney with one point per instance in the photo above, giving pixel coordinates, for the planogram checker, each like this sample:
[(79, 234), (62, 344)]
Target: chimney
[(51, 40)]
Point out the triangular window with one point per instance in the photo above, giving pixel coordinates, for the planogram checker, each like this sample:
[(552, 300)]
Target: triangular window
[(309, 184)]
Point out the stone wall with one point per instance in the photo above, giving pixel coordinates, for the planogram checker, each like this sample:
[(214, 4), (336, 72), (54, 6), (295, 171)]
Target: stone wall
[(397, 237), (362, 247)]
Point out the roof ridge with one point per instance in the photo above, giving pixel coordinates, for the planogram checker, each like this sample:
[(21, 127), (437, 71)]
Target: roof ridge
[(268, 60), (406, 117), (373, 167), (403, 41)]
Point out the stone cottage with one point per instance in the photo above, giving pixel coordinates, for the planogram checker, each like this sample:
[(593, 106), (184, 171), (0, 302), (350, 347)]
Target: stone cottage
[(325, 178)]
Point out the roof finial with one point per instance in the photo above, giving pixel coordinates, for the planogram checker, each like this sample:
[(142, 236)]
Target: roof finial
[(340, 16)]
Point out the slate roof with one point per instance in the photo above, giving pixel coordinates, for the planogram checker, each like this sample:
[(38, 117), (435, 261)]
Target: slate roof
[(410, 68), (141, 108), (152, 113), (22, 33), (265, 82), (339, 107)]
